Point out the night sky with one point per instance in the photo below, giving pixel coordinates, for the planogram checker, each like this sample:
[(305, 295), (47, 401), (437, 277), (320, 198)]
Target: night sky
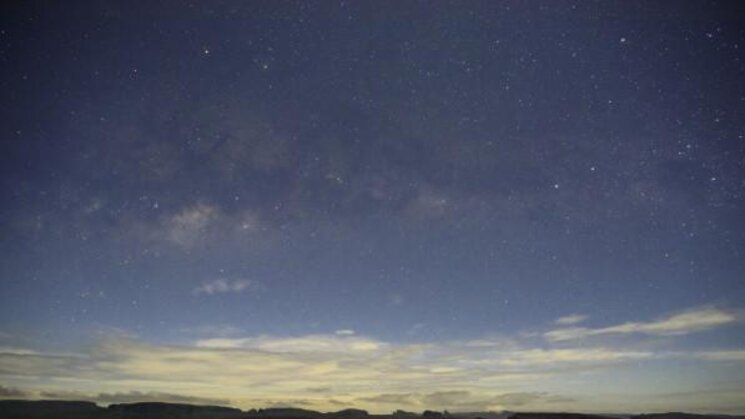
[(467, 205)]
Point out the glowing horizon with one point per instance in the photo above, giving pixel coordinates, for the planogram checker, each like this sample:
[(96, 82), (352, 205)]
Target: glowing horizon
[(331, 371)]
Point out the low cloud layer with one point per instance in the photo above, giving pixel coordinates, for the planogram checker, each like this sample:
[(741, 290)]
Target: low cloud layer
[(223, 286), (571, 319), (464, 400), (109, 398), (328, 371), (677, 324), (13, 393)]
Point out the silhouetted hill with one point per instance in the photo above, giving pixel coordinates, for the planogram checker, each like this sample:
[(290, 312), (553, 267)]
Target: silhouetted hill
[(49, 409), (54, 409), (680, 415), (155, 410), (402, 414), (284, 413), (556, 416), (482, 415), (349, 413)]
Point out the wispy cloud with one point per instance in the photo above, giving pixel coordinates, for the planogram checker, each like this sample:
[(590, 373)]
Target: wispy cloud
[(571, 319), (446, 398), (677, 324), (733, 355), (344, 343), (13, 393), (213, 330), (536, 357), (111, 398), (222, 286), (464, 400), (399, 399), (522, 399)]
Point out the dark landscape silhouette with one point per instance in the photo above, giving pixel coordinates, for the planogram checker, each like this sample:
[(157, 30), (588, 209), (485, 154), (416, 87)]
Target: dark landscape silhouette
[(59, 409)]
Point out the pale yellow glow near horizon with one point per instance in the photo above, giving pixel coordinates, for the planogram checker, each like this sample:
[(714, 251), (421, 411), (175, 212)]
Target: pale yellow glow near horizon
[(329, 372)]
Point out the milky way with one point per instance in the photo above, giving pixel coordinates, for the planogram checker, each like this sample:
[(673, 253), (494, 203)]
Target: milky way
[(449, 205)]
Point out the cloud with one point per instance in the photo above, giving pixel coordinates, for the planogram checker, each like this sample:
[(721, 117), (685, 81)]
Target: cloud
[(535, 357), (345, 332), (678, 324), (130, 397), (521, 399), (457, 374), (351, 369), (223, 286), (138, 396), (216, 330), (571, 319), (392, 398), (286, 403), (27, 362), (464, 400), (13, 393), (17, 351), (336, 343), (284, 367), (733, 355), (446, 398)]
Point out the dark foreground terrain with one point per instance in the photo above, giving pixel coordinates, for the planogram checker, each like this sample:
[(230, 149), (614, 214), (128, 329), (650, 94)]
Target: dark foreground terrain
[(55, 409)]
